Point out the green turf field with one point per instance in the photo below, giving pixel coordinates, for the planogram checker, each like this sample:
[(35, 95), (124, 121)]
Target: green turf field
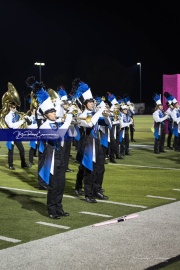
[(138, 182)]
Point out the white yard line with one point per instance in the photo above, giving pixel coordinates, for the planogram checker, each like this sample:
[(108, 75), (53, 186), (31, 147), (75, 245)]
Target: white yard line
[(139, 166), (159, 197), (141, 146), (94, 214), (126, 204), (9, 239), (53, 225), (31, 191), (68, 196)]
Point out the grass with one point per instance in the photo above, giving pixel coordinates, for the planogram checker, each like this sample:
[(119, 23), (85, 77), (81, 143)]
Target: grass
[(129, 182)]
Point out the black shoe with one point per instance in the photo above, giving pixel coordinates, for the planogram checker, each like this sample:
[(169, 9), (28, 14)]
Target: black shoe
[(102, 190), (120, 157), (11, 168), (169, 147), (25, 165), (30, 164), (69, 170), (42, 187), (79, 192), (105, 162), (90, 200), (112, 160), (101, 196), (133, 140), (156, 152), (128, 154), (35, 155), (62, 213), (54, 216)]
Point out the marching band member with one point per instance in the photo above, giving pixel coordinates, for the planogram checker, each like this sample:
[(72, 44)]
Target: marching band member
[(176, 124), (65, 105), (104, 131), (12, 120), (125, 122), (39, 94), (159, 126), (52, 165), (33, 144), (169, 110), (114, 127), (131, 113), (92, 156)]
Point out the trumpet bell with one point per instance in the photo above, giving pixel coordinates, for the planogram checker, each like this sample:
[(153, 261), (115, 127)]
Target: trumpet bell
[(34, 103), (105, 113), (75, 112), (87, 119), (53, 94), (117, 106), (116, 113)]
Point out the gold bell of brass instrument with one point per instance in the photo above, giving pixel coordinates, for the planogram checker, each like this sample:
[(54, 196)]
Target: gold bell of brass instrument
[(131, 106), (53, 95), (34, 103), (10, 96), (106, 113), (78, 119), (87, 119), (75, 111), (116, 112)]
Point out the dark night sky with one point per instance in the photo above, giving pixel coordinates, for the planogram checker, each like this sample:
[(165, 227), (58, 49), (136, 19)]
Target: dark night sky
[(60, 33)]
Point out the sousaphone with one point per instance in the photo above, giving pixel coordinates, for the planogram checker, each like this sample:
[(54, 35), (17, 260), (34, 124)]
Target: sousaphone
[(10, 96)]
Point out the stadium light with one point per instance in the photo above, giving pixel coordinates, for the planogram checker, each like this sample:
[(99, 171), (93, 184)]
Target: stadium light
[(39, 64), (139, 64)]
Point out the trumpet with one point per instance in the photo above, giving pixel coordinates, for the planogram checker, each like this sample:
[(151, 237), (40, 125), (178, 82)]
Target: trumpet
[(116, 113), (131, 107), (73, 108), (75, 112), (76, 120), (106, 112), (87, 119)]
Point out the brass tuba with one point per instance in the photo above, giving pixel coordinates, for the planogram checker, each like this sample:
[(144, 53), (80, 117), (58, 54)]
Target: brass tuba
[(10, 96)]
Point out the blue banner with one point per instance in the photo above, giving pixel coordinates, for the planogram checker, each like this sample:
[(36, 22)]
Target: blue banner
[(31, 134)]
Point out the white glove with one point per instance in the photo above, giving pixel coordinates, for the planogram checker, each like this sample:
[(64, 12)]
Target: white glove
[(72, 108)]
